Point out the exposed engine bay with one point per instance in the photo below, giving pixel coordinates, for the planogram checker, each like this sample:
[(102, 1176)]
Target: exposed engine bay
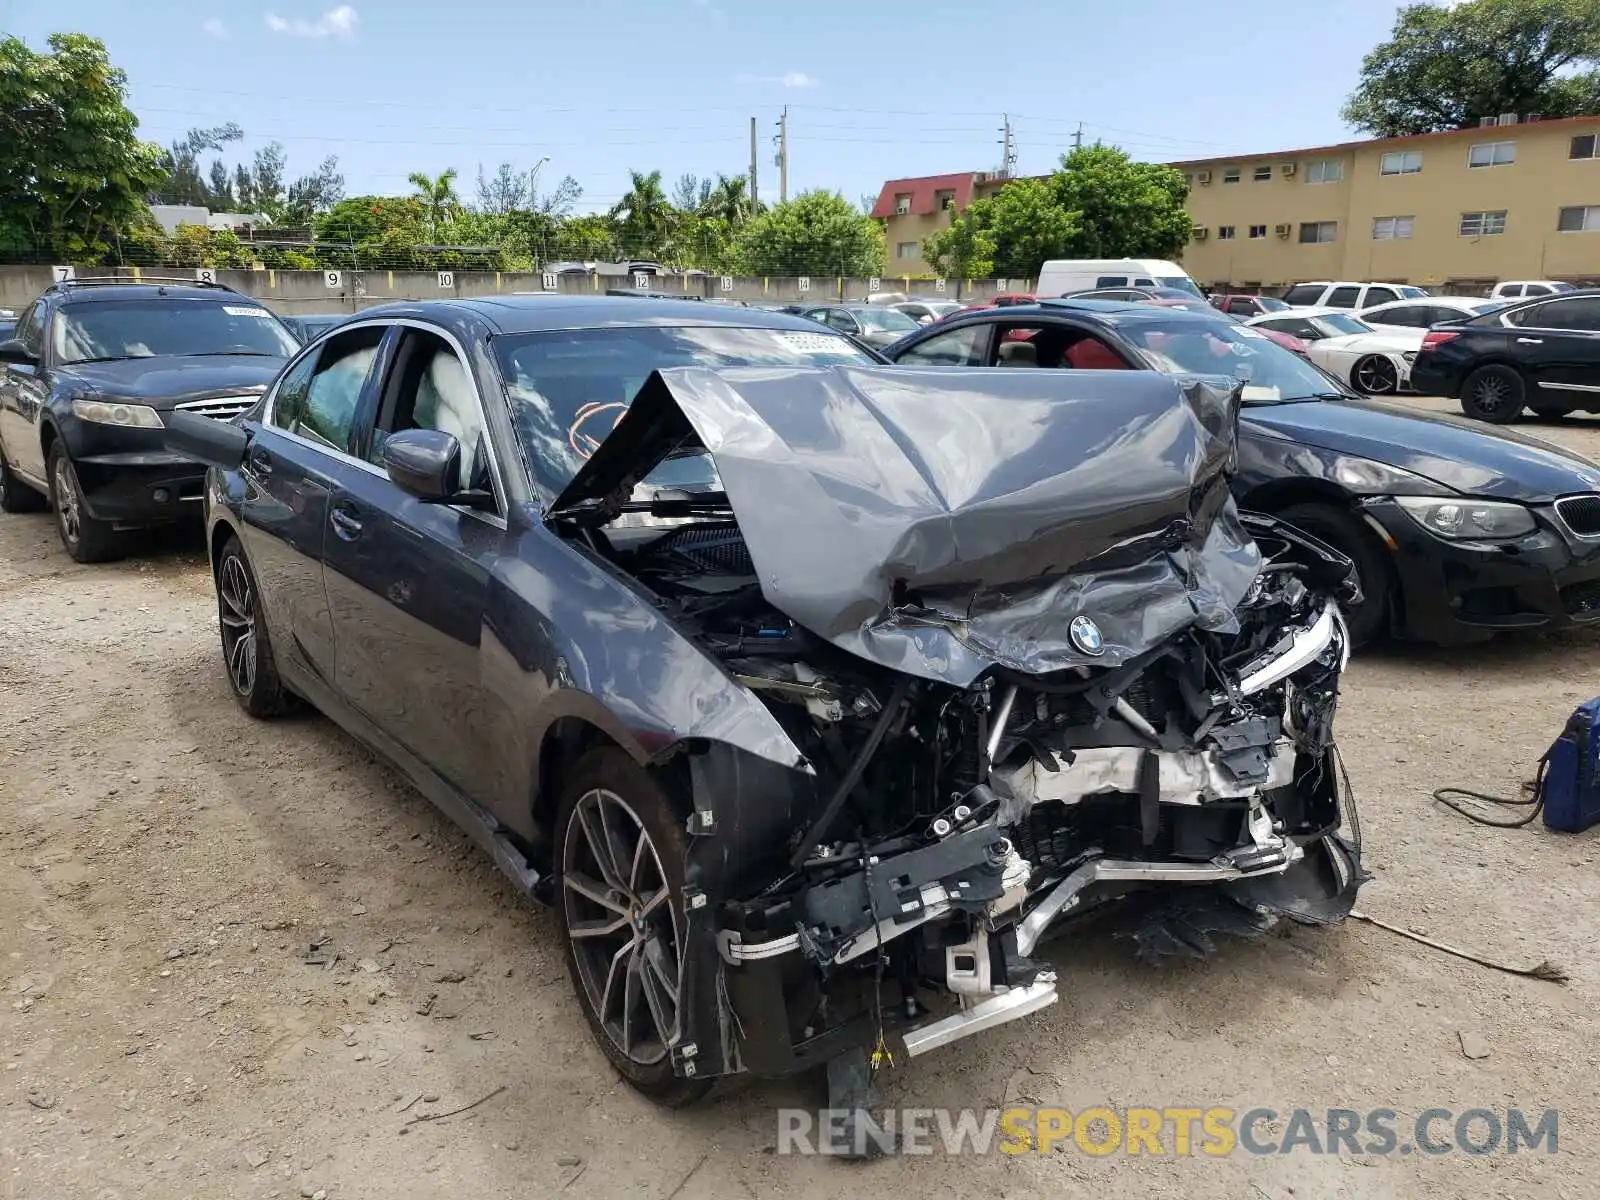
[(965, 797)]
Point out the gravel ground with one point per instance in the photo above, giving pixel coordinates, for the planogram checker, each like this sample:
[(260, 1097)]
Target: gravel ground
[(167, 865)]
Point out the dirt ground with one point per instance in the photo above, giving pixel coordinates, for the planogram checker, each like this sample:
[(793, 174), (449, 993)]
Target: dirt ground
[(167, 864)]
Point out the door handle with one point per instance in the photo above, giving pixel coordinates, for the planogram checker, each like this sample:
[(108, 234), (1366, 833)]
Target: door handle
[(1530, 341), (260, 462), (344, 524)]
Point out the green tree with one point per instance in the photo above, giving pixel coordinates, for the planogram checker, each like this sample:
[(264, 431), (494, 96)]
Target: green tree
[(73, 173), (728, 200), (1009, 233), (584, 239), (438, 193), (816, 233), (1446, 66), (183, 182), (965, 248), (1123, 209), (644, 217)]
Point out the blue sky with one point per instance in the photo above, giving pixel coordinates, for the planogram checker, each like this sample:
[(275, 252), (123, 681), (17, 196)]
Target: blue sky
[(875, 91)]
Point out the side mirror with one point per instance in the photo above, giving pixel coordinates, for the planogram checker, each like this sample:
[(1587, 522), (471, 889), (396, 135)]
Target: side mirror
[(13, 351), (424, 462), (206, 439)]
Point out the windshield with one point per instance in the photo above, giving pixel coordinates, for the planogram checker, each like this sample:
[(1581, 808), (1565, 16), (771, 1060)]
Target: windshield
[(1339, 325), (1272, 374), (105, 330), (1182, 282), (891, 319), (568, 388), (1271, 304)]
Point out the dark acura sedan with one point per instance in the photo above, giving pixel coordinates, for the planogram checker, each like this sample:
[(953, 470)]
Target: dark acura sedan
[(811, 691), (1457, 531)]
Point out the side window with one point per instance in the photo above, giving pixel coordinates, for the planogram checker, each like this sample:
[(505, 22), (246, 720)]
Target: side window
[(429, 388), (1380, 295), (318, 398), (1512, 291), (30, 329), (1304, 293), (1579, 313), (1342, 297), (1111, 281), (1535, 289), (1415, 315), (1144, 283), (964, 347), (1241, 306)]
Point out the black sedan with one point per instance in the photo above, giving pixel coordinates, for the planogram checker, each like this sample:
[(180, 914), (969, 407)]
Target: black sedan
[(875, 325), (1543, 355), (1458, 531), (87, 382), (804, 756)]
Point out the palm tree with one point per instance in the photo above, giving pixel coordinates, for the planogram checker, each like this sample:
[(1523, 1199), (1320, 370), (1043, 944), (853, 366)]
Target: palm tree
[(439, 195), (643, 217), (729, 201)]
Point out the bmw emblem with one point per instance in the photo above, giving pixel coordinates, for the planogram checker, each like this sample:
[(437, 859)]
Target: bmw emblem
[(1086, 636)]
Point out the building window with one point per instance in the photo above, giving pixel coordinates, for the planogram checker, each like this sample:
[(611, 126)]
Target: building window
[(902, 204), (946, 200), (1584, 146), (1231, 175), (1319, 231), (1581, 219), (905, 250), (1325, 170), (1258, 231), (1483, 224), (1262, 174), (1401, 162), (1492, 154), (1225, 233), (1188, 178), (1390, 229)]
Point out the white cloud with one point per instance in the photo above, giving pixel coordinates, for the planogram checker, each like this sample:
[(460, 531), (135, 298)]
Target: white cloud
[(789, 79), (338, 22), (213, 27)]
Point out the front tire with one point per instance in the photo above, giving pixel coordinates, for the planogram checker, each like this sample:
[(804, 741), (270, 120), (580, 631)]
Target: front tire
[(1495, 393), (1368, 621), (86, 538), (16, 496), (621, 851), (1375, 375), (246, 649)]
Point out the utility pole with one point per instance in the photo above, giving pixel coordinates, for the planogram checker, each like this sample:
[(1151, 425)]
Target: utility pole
[(755, 197), (1008, 156), (1077, 138), (782, 159)]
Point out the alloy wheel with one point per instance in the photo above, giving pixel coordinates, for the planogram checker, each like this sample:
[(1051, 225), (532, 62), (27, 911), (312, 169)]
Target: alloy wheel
[(1491, 394), (1376, 376), (68, 510), (624, 927), (238, 617)]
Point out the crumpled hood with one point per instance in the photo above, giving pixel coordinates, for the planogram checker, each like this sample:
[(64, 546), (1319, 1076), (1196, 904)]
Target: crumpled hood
[(162, 382), (941, 523), (1465, 456)]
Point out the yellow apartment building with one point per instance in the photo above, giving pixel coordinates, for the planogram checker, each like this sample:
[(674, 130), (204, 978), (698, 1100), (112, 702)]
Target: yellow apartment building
[(1512, 199)]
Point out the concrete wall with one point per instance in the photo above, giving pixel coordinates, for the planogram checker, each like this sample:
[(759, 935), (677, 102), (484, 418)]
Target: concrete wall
[(349, 291)]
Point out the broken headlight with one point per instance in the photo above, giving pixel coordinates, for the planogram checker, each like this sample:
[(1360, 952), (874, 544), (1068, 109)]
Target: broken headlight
[(1469, 519)]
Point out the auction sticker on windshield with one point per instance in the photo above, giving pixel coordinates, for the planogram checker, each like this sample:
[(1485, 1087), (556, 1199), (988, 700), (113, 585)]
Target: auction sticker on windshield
[(810, 343), (234, 310)]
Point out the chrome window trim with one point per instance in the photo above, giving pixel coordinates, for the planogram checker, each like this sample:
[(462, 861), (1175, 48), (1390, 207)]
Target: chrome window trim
[(497, 519)]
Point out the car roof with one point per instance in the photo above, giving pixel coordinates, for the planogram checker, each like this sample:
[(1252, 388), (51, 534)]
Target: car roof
[(537, 314), (148, 291)]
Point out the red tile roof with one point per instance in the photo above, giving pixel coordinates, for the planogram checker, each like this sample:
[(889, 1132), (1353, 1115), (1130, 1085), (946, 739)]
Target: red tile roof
[(923, 191)]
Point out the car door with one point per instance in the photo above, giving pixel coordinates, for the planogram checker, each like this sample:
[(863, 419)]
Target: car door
[(300, 449), (23, 392), (408, 581), (1557, 343)]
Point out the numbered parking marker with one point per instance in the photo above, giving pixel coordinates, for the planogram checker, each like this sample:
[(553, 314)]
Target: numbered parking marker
[(727, 283), (875, 284), (938, 285), (641, 280), (1002, 285), (805, 283), (333, 279), (447, 279), (64, 274), (549, 281), (205, 274)]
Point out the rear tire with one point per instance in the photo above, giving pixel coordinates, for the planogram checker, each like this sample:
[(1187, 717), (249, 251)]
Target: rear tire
[(1375, 375), (620, 851), (87, 539), (1495, 393), (246, 649), (16, 496), (1368, 621)]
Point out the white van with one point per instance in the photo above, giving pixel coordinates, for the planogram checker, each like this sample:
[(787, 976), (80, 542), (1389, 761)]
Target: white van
[(1062, 275)]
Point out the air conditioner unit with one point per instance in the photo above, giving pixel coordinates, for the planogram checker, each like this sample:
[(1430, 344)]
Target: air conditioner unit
[(1283, 231), (1508, 118), (1200, 232), (1202, 177), (1486, 122), (1287, 170), (980, 177)]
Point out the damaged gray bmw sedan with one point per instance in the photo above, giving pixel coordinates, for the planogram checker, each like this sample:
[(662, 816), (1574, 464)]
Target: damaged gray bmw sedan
[(813, 693)]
